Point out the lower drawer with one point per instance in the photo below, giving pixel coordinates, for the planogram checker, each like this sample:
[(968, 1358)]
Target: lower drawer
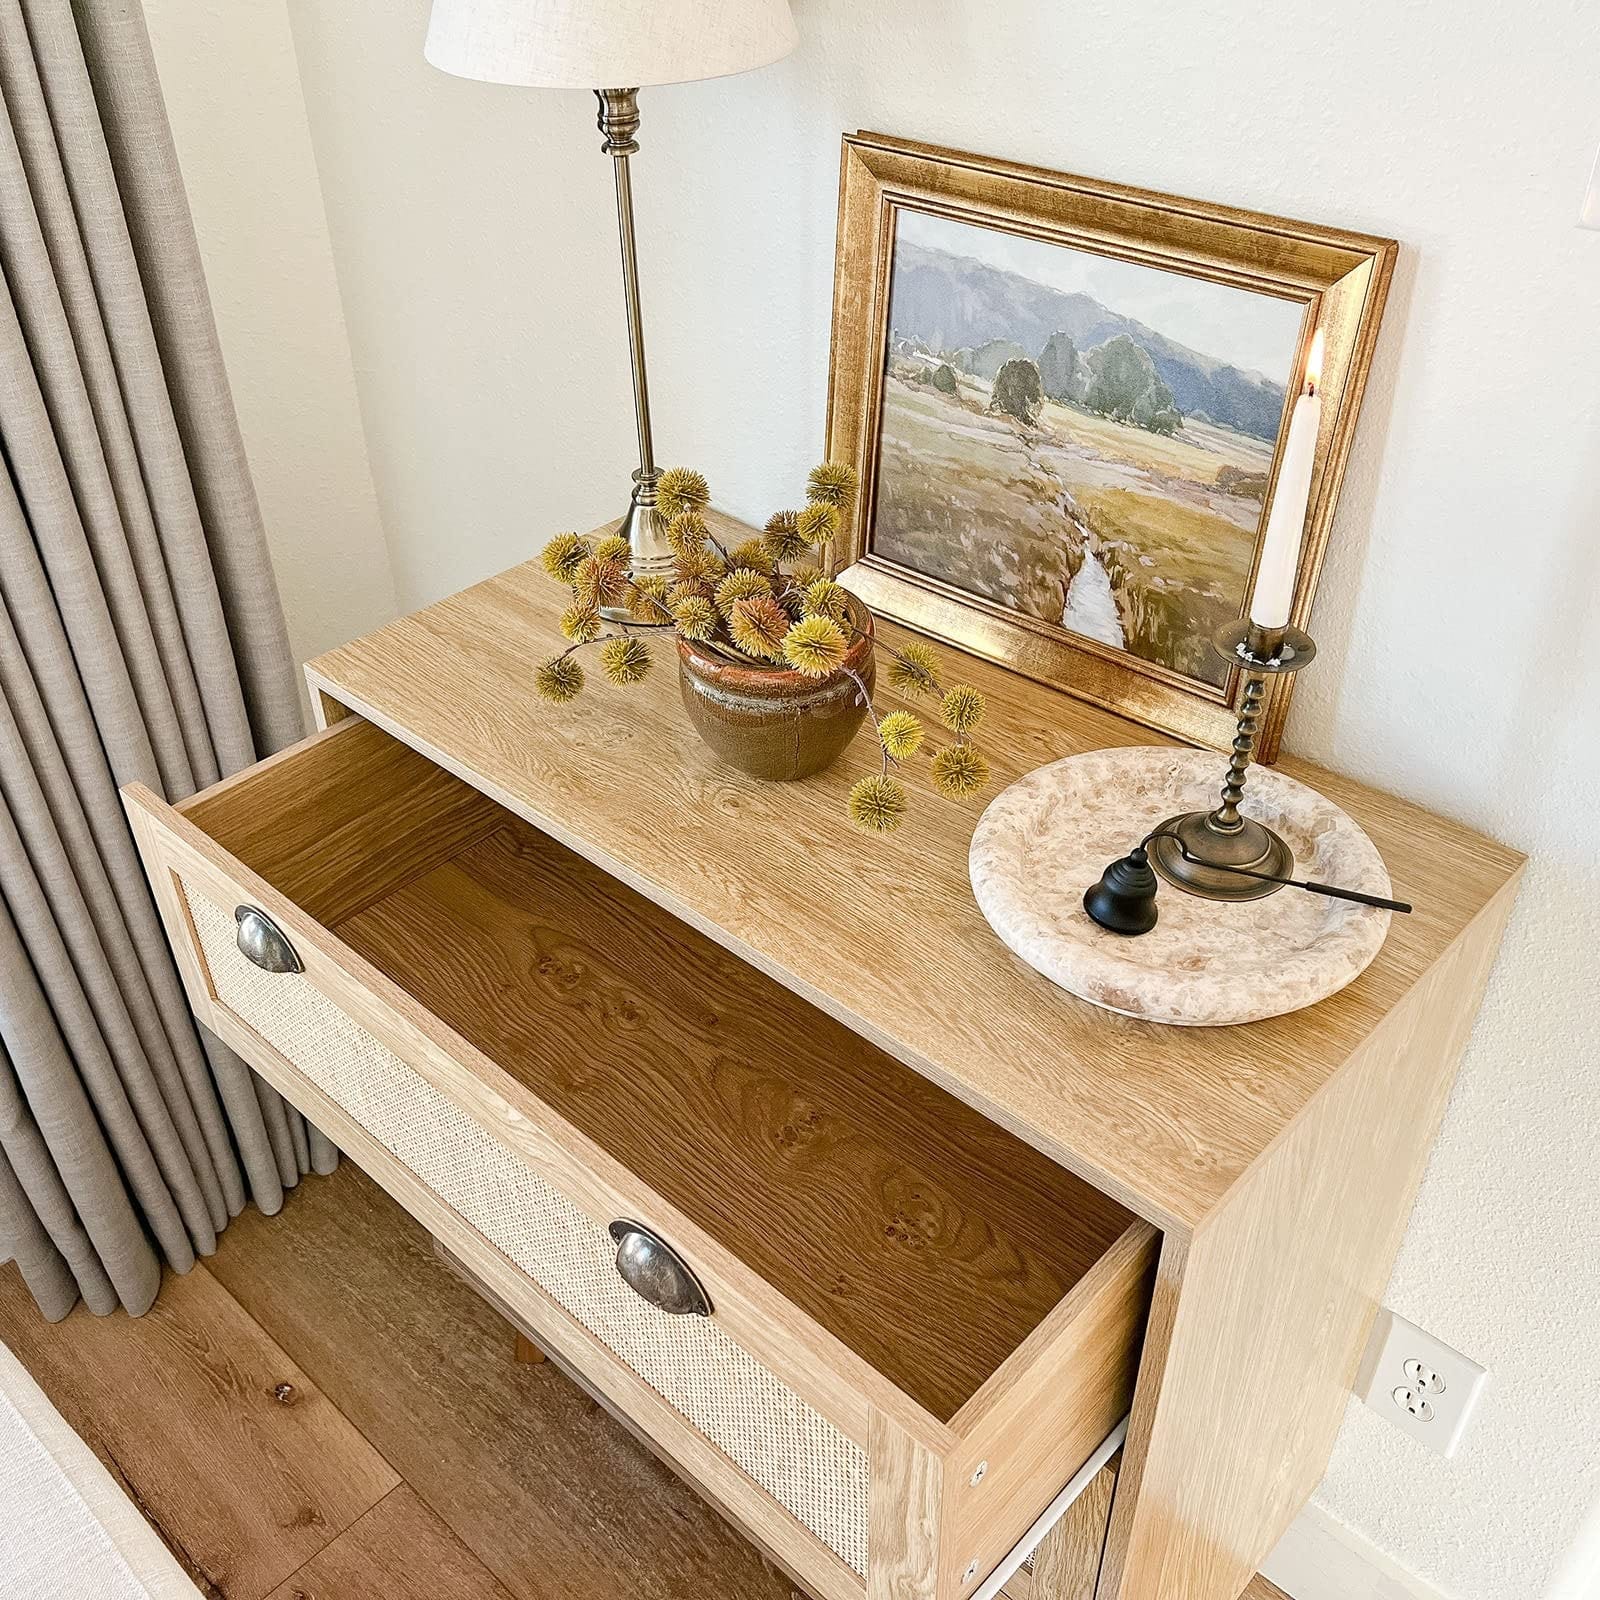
[(805, 1463), (915, 1329)]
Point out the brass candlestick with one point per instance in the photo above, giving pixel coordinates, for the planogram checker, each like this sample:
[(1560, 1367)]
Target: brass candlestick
[(1193, 847)]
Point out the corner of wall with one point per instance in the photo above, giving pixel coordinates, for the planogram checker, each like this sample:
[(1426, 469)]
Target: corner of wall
[(232, 86)]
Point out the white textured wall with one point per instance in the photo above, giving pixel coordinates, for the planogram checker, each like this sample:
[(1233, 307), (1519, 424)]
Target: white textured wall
[(473, 237), (232, 87)]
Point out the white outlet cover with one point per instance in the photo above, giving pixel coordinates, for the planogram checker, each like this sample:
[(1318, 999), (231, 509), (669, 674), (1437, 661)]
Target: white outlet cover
[(1419, 1383)]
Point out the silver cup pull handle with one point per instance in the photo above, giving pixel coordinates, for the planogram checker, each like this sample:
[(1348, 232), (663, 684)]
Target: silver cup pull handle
[(263, 943), (656, 1272)]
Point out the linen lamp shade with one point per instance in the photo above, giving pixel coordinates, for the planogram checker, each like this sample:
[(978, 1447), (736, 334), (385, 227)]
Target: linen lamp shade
[(596, 44)]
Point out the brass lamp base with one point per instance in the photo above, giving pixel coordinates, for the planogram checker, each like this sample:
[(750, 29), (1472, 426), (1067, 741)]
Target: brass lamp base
[(645, 529), (1195, 850)]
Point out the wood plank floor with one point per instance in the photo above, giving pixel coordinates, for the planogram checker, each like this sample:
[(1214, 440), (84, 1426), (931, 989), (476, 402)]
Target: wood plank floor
[(223, 1441), (323, 1412)]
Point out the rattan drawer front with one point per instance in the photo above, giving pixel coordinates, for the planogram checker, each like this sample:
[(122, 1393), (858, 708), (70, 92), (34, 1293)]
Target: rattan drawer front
[(807, 1465)]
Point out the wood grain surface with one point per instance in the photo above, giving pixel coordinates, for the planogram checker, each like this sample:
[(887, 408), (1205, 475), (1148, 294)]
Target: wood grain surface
[(1287, 1276), (397, 1551), (506, 1468), (547, 1491), (1051, 1407), (908, 1551), (230, 1450), (1067, 1563), (771, 1530), (818, 1366), (883, 933), (342, 818), (923, 1236)]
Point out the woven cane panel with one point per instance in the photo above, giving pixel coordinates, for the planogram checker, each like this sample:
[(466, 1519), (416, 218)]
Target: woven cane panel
[(806, 1464)]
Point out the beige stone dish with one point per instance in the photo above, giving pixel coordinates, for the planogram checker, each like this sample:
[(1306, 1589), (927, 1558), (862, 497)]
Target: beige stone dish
[(1044, 840)]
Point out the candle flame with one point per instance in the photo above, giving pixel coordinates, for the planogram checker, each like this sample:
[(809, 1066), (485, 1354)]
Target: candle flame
[(1314, 364)]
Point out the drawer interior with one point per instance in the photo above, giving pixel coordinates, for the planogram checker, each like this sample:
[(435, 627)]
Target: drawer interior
[(923, 1236)]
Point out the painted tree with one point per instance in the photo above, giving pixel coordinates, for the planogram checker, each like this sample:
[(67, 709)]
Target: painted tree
[(988, 359), (1018, 391), (1124, 384), (1058, 367), (1119, 372), (944, 378), (1155, 400)]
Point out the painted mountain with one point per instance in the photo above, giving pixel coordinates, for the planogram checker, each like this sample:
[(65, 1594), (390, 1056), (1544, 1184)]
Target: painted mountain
[(951, 302)]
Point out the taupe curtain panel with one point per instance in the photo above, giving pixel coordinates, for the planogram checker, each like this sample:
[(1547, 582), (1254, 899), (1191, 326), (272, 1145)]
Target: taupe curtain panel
[(140, 638)]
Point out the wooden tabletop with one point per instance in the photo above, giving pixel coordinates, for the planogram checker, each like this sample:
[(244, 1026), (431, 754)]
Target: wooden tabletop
[(882, 932)]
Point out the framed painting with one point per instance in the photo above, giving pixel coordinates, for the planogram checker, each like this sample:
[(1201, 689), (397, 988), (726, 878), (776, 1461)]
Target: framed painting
[(1067, 401)]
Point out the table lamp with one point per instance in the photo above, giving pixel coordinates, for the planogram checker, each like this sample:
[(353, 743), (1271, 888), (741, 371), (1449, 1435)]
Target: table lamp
[(581, 44)]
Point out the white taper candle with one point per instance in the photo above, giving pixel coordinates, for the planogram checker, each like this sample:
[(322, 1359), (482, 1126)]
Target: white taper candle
[(1286, 526)]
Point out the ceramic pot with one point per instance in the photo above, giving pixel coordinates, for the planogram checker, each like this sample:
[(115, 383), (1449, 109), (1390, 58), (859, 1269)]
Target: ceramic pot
[(774, 722)]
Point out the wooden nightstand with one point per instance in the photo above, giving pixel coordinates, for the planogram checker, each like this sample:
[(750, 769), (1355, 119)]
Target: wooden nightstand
[(563, 985)]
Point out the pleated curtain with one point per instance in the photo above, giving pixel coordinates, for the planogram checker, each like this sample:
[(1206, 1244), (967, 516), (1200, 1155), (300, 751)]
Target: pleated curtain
[(140, 638)]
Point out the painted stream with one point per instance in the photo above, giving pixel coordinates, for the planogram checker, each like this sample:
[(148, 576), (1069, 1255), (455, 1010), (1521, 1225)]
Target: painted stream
[(1091, 608)]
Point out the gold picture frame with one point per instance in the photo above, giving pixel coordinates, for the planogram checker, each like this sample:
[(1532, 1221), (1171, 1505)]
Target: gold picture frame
[(1339, 280)]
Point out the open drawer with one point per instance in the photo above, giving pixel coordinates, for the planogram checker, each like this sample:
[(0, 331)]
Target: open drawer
[(876, 1329)]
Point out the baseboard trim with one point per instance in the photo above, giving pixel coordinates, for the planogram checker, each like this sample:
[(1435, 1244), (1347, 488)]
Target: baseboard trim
[(1320, 1558)]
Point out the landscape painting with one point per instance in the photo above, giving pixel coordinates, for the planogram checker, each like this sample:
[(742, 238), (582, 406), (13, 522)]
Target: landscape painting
[(1083, 440)]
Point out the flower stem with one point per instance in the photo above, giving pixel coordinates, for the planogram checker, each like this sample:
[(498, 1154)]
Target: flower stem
[(866, 698), (599, 638), (925, 676)]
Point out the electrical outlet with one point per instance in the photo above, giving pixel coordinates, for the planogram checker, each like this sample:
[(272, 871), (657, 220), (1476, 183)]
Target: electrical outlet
[(1419, 1383)]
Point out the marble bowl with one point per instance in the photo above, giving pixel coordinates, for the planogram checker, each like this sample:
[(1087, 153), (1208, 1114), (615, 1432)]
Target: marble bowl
[(1044, 840)]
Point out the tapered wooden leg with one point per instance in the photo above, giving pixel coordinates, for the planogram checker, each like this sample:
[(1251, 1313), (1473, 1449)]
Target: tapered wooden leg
[(525, 1350)]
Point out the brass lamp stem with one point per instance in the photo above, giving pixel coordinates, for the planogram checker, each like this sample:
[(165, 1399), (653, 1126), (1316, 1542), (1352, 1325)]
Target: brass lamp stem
[(651, 554), (619, 122)]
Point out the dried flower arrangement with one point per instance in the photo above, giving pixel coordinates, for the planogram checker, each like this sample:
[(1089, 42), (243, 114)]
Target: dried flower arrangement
[(772, 601)]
